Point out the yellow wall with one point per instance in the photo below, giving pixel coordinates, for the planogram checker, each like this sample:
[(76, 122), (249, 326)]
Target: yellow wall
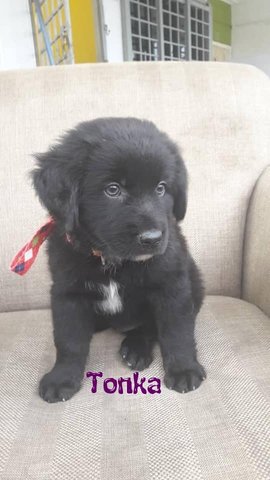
[(83, 30)]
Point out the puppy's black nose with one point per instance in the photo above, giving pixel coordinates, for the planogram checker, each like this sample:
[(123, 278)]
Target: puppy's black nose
[(150, 237)]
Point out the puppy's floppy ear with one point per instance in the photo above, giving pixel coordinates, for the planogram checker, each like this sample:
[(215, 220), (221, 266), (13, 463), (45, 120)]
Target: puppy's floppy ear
[(57, 188), (180, 182), (180, 190)]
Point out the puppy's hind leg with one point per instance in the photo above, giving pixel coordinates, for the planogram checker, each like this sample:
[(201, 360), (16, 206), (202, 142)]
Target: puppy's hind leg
[(136, 349)]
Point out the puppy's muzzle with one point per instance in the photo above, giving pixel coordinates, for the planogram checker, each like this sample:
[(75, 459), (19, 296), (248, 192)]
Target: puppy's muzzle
[(150, 238)]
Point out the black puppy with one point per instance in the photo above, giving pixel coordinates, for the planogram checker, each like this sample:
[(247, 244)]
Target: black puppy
[(116, 188)]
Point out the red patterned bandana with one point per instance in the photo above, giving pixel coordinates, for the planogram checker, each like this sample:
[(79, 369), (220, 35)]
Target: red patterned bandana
[(27, 255), (24, 259)]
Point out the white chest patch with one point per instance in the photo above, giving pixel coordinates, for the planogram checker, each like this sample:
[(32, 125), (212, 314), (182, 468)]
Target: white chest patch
[(112, 302)]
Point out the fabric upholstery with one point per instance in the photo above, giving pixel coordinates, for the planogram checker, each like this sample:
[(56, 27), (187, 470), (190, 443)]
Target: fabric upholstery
[(218, 113), (256, 273), (218, 432)]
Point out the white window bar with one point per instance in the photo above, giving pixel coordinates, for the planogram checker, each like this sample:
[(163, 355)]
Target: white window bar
[(200, 31), (166, 30)]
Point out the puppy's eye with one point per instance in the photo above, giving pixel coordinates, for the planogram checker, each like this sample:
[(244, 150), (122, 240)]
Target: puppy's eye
[(113, 190), (161, 189)]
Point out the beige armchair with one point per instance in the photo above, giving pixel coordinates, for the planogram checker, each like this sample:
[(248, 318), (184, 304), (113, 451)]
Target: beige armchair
[(220, 116)]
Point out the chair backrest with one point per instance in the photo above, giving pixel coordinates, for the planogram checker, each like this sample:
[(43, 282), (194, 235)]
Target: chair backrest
[(217, 113)]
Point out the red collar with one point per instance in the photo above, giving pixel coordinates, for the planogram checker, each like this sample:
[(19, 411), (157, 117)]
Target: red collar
[(24, 259)]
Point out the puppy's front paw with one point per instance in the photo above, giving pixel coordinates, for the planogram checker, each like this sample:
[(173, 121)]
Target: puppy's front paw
[(185, 380), (53, 388), (137, 356)]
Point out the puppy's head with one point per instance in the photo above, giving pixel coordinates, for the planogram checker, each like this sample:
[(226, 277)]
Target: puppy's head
[(113, 184)]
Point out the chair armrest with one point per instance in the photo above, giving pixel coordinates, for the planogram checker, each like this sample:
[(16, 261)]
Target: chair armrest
[(256, 262)]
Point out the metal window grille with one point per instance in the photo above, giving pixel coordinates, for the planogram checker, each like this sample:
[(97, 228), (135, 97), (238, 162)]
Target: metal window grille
[(166, 30), (174, 29), (143, 24), (199, 32)]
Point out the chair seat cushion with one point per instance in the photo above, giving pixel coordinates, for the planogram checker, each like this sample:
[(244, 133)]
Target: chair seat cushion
[(220, 431)]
